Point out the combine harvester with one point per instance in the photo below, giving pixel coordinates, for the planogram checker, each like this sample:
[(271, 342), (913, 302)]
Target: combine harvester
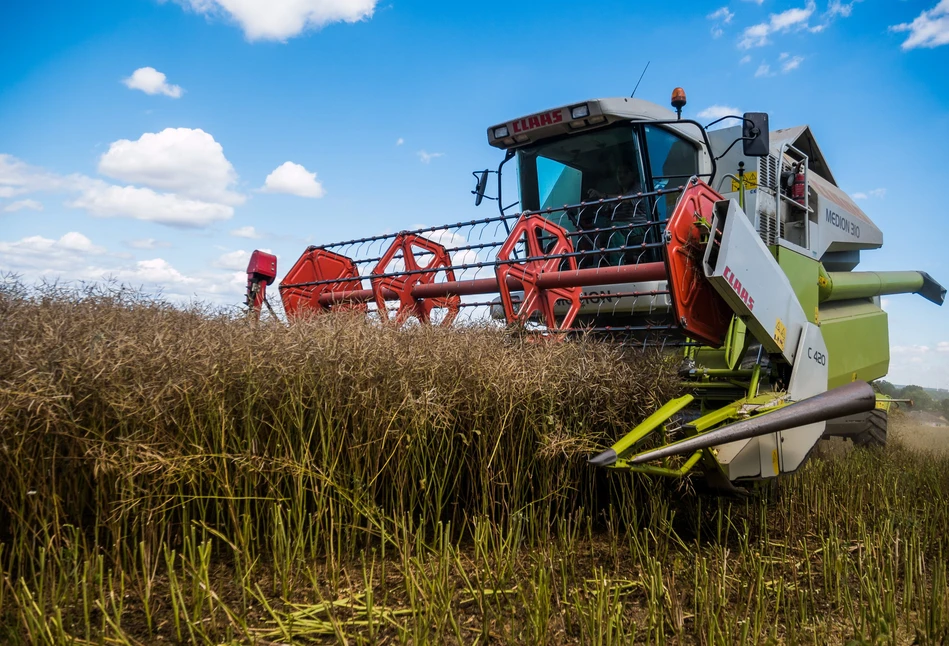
[(641, 226)]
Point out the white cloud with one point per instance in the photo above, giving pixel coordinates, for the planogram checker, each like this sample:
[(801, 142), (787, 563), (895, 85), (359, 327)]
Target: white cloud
[(147, 243), (283, 19), (39, 255), (791, 64), (156, 271), (909, 350), (427, 157), (19, 205), (452, 240), (293, 179), (184, 160), (151, 81), (18, 178), (745, 59), (763, 70), (75, 241), (102, 199), (929, 29), (792, 17), (74, 257), (718, 111), (755, 36), (921, 364), (840, 8), (245, 232), (108, 201), (444, 237), (757, 2), (721, 17), (917, 364), (795, 18), (399, 141), (722, 14), (877, 193), (233, 260)]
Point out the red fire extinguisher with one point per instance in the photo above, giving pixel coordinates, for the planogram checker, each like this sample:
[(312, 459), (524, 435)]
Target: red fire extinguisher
[(799, 186)]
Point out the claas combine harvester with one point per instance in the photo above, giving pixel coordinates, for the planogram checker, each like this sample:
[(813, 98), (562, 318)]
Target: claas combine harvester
[(732, 247)]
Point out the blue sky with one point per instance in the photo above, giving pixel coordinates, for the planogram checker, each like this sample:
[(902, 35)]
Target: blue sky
[(137, 136)]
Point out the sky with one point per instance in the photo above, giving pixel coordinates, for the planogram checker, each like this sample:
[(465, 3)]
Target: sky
[(159, 142)]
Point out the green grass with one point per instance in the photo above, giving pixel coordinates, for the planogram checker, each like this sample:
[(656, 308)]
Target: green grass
[(183, 477)]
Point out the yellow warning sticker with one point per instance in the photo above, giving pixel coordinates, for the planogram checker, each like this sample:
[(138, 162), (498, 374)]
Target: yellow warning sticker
[(780, 334), (853, 377), (774, 460), (749, 179), (882, 405), (817, 315)]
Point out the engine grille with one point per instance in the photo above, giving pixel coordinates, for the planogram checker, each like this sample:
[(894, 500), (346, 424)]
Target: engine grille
[(768, 175), (768, 229)]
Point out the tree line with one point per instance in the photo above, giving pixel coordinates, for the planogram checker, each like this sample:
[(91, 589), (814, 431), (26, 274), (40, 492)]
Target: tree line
[(922, 398)]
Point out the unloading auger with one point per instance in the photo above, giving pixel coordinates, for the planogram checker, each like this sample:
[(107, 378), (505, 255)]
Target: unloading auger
[(639, 226)]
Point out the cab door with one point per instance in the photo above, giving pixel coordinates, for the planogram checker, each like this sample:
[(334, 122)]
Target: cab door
[(671, 160)]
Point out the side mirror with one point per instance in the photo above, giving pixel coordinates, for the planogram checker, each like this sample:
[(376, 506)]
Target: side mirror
[(479, 188), (756, 134)]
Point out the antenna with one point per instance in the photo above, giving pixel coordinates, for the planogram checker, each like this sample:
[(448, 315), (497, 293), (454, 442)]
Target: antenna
[(640, 79)]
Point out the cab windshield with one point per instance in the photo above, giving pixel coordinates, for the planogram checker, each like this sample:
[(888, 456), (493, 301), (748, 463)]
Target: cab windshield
[(581, 167)]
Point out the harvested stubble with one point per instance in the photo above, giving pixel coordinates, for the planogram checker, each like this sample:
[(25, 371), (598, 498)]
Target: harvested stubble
[(179, 475)]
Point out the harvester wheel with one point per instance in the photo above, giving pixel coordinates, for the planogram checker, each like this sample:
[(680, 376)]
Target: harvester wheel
[(874, 432)]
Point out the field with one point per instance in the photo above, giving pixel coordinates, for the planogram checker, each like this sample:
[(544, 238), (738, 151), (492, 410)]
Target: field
[(180, 476)]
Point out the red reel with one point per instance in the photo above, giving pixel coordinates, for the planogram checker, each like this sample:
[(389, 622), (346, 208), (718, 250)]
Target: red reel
[(317, 266), (547, 247), (406, 247)]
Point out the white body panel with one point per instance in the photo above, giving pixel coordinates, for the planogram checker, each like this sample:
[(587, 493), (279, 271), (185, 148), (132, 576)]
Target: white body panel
[(605, 300), (746, 275), (607, 111), (808, 378), (841, 225), (740, 459)]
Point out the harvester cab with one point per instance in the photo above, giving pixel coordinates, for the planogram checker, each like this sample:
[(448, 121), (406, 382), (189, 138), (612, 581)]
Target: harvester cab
[(639, 226)]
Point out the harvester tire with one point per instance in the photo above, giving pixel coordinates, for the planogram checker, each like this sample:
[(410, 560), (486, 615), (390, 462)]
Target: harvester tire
[(874, 432)]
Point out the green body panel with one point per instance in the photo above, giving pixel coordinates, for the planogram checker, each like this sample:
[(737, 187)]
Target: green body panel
[(847, 285), (652, 422), (729, 355), (803, 273), (857, 338)]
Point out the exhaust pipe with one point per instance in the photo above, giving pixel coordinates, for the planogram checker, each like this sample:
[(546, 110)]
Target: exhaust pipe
[(857, 397)]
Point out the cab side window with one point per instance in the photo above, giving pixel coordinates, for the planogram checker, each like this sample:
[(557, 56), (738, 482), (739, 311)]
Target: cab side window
[(672, 161)]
